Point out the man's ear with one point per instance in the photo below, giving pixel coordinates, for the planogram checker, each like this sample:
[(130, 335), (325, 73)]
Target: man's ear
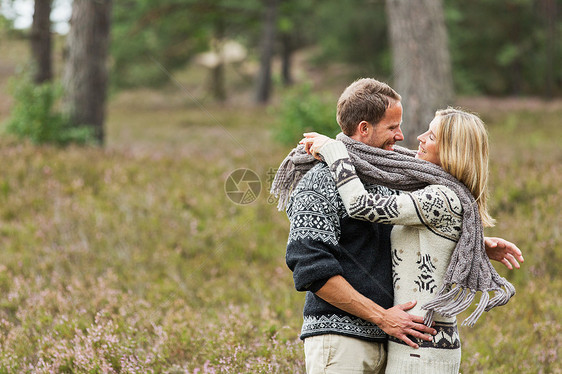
[(363, 128)]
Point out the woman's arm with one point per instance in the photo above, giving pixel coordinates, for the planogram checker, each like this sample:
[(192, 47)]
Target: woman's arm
[(435, 207), (497, 249)]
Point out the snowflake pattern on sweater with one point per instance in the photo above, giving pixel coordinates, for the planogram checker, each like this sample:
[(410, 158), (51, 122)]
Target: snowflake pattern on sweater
[(323, 242), (438, 208), (440, 211), (427, 225)]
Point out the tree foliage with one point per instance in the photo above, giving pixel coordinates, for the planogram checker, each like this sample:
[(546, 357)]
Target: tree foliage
[(36, 116), (355, 34), (505, 47), (498, 47), (303, 110), (150, 35)]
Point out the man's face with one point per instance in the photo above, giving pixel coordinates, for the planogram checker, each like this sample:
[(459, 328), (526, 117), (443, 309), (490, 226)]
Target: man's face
[(387, 132)]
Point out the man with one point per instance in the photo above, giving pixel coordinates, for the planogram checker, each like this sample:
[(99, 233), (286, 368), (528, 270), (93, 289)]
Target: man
[(345, 264)]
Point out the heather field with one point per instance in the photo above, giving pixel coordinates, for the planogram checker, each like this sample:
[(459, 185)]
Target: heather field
[(133, 258)]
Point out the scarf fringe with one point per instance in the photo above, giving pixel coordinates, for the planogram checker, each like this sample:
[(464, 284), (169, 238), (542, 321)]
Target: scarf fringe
[(442, 299), (473, 317), (458, 299), (428, 319), (462, 302), (283, 194), (501, 297), (288, 175)]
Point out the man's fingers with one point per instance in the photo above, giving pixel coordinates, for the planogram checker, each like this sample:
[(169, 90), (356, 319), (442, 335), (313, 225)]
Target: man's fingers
[(419, 335), (407, 306), (407, 340), (424, 329), (419, 326)]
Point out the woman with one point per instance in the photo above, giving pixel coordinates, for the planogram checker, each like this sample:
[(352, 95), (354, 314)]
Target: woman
[(428, 225)]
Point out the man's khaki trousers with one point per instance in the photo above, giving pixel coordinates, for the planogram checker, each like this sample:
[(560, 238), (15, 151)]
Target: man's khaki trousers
[(338, 354)]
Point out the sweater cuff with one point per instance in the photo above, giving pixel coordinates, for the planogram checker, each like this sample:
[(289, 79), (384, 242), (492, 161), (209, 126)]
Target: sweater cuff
[(332, 151), (317, 285)]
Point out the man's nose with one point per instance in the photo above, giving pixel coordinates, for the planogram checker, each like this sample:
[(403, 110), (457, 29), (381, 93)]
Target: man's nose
[(399, 136)]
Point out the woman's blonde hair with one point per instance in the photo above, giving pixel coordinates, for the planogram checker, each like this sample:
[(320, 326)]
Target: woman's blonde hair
[(462, 141)]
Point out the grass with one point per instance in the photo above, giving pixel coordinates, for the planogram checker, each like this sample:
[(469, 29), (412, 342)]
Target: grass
[(132, 259), (523, 336)]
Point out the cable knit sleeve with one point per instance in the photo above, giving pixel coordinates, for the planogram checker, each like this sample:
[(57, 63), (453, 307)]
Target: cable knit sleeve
[(435, 207)]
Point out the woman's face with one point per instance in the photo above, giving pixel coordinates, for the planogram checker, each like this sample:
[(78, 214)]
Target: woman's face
[(427, 149)]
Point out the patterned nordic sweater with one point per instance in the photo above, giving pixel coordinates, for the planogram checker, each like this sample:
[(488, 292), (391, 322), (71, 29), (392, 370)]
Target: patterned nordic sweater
[(324, 242), (427, 226)]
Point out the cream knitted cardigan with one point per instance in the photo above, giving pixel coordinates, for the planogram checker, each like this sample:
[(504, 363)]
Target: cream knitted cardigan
[(428, 225)]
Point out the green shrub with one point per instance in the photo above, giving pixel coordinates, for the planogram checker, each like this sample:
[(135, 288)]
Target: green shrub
[(302, 111), (35, 116)]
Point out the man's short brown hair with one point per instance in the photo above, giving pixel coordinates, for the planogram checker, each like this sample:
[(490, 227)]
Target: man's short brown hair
[(365, 99)]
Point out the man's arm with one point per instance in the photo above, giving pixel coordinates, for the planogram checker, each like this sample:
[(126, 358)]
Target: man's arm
[(394, 321), (501, 250), (312, 255)]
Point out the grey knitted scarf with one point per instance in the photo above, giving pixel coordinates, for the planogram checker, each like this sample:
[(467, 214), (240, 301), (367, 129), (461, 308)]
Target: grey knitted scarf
[(469, 270)]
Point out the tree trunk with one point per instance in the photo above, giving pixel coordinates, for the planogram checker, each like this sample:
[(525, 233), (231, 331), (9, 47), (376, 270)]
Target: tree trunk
[(286, 57), (263, 89), (421, 61), (217, 72), (217, 82), (86, 73), (41, 42)]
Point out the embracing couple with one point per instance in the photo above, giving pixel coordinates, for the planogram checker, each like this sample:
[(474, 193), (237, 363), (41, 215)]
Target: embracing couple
[(388, 243)]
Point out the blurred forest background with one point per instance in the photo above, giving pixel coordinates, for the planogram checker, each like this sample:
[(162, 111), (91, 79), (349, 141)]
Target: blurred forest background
[(122, 250)]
